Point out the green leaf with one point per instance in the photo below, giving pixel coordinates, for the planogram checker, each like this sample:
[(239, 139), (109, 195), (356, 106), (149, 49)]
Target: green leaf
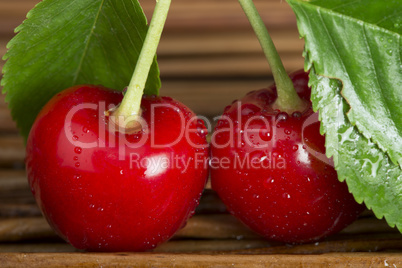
[(371, 176), (359, 42), (68, 42), (356, 86)]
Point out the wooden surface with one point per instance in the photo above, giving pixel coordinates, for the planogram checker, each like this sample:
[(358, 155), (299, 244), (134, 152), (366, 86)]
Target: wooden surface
[(197, 260), (208, 56)]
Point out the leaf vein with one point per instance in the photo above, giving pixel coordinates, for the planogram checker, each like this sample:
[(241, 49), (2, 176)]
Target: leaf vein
[(333, 44), (132, 22), (345, 5), (374, 68), (388, 17), (88, 42), (128, 36)]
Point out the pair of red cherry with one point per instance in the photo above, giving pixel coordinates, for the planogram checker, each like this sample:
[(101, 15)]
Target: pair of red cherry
[(103, 189)]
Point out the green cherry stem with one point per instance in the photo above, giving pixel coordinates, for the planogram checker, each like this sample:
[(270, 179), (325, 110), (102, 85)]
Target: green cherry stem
[(288, 100), (130, 106)]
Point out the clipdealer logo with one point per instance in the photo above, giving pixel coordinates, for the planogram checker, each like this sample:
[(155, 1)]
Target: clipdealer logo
[(267, 161)]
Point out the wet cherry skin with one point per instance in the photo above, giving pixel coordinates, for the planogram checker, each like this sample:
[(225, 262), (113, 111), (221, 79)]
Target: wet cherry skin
[(105, 190), (271, 172)]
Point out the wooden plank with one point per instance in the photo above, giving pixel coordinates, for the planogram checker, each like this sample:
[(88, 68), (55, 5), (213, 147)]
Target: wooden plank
[(211, 43), (198, 260), (350, 244), (196, 246), (12, 151), (7, 124), (254, 65), (243, 246), (8, 210), (16, 199), (208, 226), (173, 246), (227, 43), (224, 14), (13, 181), (242, 65), (218, 226), (199, 226), (210, 203), (210, 97), (235, 246), (18, 229), (193, 15), (37, 247)]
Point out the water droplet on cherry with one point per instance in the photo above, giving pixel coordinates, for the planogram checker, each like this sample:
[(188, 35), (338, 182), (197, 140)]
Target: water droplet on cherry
[(78, 150), (266, 96), (77, 164), (268, 183), (200, 124), (281, 117), (265, 135), (297, 114), (249, 109)]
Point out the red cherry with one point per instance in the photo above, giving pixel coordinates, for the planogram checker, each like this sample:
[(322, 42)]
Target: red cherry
[(104, 190), (278, 180)]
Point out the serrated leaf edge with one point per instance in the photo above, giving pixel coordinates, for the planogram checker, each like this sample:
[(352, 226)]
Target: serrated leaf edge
[(362, 129), (308, 66)]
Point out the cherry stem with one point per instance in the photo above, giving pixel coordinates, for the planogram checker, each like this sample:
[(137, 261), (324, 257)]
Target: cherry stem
[(288, 100), (131, 103)]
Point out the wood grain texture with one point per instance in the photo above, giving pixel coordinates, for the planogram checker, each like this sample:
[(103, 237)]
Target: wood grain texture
[(198, 260), (17, 229), (203, 226), (12, 151), (19, 210), (13, 181), (184, 15)]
